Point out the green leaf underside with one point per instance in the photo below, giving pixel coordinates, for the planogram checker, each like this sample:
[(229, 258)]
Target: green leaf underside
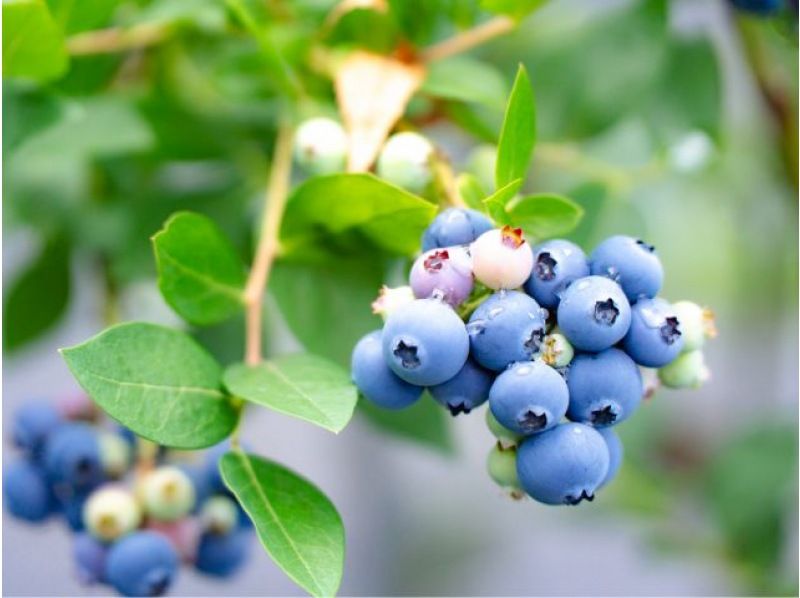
[(300, 385), (393, 219), (297, 524), (199, 273), (33, 46), (545, 215), (497, 201), (156, 381), (518, 135)]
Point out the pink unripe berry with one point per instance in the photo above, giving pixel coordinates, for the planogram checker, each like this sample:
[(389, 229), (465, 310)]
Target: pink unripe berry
[(501, 259)]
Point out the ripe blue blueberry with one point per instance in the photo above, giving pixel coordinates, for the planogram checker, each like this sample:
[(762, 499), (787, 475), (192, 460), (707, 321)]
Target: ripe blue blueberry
[(90, 559), (373, 378), (501, 258), (222, 555), (529, 397), (604, 388), (455, 226), (556, 263), (425, 342), (593, 313), (27, 494), (444, 273), (33, 423), (71, 503), (200, 481), (655, 337), (143, 563), (563, 466), (615, 453), (72, 456), (508, 326), (466, 390), (630, 262), (213, 476)]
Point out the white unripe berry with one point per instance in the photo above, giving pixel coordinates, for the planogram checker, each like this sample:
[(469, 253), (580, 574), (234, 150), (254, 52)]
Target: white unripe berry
[(167, 493), (320, 146), (501, 258), (111, 512), (405, 161)]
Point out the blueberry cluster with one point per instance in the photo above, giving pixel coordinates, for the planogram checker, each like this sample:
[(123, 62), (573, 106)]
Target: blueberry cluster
[(137, 510), (555, 341)]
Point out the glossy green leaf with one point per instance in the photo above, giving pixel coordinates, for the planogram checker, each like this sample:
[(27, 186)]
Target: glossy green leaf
[(73, 16), (544, 215), (518, 135), (393, 219), (426, 423), (156, 381), (471, 191), (38, 298), (466, 79), (516, 9), (297, 524), (199, 273), (497, 201), (33, 46), (302, 385)]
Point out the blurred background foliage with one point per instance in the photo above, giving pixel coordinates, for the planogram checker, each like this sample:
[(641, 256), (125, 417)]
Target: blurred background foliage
[(676, 121)]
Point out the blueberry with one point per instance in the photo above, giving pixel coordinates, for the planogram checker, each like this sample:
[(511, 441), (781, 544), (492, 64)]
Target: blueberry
[(445, 273), (321, 146), (630, 262), (455, 226), (167, 493), (508, 326), (143, 563), (529, 397), (615, 453), (32, 424), (604, 388), (556, 263), (199, 477), (425, 342), (505, 437), (71, 503), (213, 476), (501, 259), (466, 390), (183, 534), (90, 559), (78, 407), (593, 313), (655, 337), (115, 454), (111, 512), (405, 161), (697, 324), (375, 381), (758, 7), (219, 515), (563, 466), (689, 370), (222, 555), (72, 456), (501, 464), (26, 491)]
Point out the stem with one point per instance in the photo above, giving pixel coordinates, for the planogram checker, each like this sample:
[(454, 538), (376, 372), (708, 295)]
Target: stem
[(116, 39), (468, 39), (445, 181), (267, 249)]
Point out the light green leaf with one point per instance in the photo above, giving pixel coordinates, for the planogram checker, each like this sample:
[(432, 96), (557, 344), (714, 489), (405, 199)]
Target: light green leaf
[(516, 9), (544, 215), (390, 217), (425, 422), (518, 135), (297, 524), (73, 16), (156, 381), (471, 191), (199, 273), (300, 385), (33, 46), (496, 202), (466, 79)]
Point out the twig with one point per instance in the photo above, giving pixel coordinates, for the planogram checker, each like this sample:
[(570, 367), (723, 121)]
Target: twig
[(468, 39), (116, 39), (267, 249)]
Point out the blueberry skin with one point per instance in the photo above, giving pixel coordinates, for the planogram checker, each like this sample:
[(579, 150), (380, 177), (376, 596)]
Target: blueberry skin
[(72, 456), (213, 478), (26, 491), (33, 423), (630, 262), (71, 506), (615, 454), (373, 378), (222, 555), (201, 482), (529, 397), (556, 263), (443, 272), (143, 563), (425, 342), (758, 7), (563, 466), (466, 390), (455, 226), (655, 337), (604, 388), (508, 326), (594, 313), (90, 559)]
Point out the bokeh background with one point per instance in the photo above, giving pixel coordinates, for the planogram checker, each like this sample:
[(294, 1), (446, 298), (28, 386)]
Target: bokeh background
[(675, 121)]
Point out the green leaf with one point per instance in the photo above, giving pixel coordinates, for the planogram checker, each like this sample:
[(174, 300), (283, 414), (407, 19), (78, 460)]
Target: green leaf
[(471, 191), (393, 219), (518, 135), (516, 9), (496, 202), (301, 385), (466, 79), (199, 273), (544, 215), (39, 297), (33, 47), (156, 381), (73, 16), (296, 523), (425, 423)]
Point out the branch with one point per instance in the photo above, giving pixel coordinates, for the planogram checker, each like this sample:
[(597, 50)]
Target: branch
[(116, 39), (468, 39), (267, 249)]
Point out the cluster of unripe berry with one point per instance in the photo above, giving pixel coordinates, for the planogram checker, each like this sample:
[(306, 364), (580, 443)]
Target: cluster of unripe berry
[(137, 510), (543, 333)]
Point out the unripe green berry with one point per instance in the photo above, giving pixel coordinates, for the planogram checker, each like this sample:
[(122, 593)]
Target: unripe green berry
[(557, 351), (697, 324), (504, 436), (219, 515), (405, 161), (111, 512), (320, 146), (115, 454), (502, 467), (687, 371), (167, 494)]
